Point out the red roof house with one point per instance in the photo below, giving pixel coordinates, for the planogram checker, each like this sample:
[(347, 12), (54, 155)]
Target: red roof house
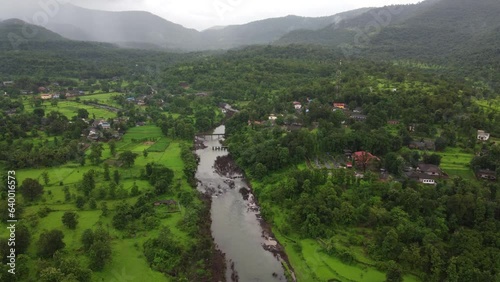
[(339, 105), (363, 159)]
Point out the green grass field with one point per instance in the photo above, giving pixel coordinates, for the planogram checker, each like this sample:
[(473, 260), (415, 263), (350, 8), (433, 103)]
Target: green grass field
[(456, 163), (70, 109), (102, 98)]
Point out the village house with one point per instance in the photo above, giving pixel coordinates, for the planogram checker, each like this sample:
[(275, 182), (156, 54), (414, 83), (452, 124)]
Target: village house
[(358, 117), (427, 174), (482, 135), (422, 177), (486, 174), (339, 105), (105, 125), (74, 93), (363, 159), (8, 83), (430, 169), (273, 117), (357, 110), (121, 120), (347, 153), (94, 134), (427, 145), (297, 105), (393, 122), (46, 96)]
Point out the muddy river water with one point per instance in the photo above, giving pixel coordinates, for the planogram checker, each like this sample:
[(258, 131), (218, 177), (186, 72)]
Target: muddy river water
[(250, 251)]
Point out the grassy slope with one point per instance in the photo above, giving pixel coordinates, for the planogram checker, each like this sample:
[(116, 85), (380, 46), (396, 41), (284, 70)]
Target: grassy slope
[(456, 163)]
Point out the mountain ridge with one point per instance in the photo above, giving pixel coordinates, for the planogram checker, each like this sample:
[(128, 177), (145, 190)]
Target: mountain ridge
[(139, 28)]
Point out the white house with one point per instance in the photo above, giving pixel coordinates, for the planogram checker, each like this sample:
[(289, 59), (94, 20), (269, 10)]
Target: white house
[(482, 135), (105, 125), (297, 105)]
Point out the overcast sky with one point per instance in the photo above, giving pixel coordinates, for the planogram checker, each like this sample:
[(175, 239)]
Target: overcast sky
[(203, 14)]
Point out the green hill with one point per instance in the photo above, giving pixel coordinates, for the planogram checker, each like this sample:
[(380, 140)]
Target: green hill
[(14, 30)]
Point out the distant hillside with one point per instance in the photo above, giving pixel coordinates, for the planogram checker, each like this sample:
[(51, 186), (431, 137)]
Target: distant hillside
[(433, 30), (119, 27), (448, 29), (463, 34), (345, 31), (18, 31), (82, 24), (269, 30), (47, 54)]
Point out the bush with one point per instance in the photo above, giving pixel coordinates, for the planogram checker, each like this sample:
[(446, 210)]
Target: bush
[(43, 212), (346, 257), (70, 219)]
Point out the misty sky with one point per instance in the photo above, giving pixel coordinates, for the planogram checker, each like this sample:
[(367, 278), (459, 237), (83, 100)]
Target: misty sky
[(202, 14)]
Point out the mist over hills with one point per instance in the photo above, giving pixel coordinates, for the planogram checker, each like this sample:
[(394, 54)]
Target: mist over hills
[(433, 31), (145, 30)]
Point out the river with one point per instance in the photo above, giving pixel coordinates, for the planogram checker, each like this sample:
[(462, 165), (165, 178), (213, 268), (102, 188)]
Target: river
[(236, 227)]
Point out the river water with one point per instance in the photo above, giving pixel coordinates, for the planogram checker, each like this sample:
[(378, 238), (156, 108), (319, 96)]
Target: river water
[(236, 227)]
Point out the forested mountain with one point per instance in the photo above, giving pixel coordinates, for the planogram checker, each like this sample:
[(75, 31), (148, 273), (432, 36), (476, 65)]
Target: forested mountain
[(114, 27), (344, 32), (431, 30), (47, 54), (448, 28), (462, 34), (12, 30), (269, 30)]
